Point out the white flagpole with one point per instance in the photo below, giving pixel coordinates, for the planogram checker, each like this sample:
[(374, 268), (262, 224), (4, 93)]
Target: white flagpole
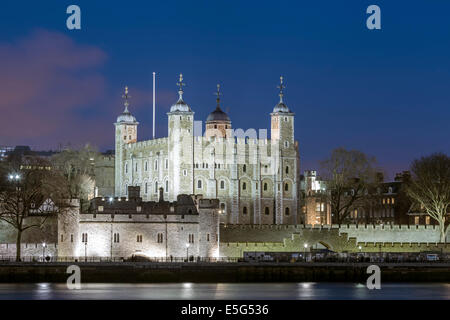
[(153, 105)]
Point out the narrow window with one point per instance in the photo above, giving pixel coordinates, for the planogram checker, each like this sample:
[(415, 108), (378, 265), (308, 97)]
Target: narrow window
[(286, 187), (199, 184), (167, 185), (266, 211), (244, 210), (265, 187), (244, 168), (244, 186), (156, 186), (222, 184), (286, 211), (287, 170)]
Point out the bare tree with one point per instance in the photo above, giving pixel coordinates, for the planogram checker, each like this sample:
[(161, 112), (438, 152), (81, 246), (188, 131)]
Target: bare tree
[(78, 168), (349, 175), (32, 193), (430, 188)]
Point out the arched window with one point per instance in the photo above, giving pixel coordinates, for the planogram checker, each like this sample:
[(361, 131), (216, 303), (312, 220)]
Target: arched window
[(266, 211), (244, 168), (199, 184), (287, 170), (222, 184), (265, 186), (244, 186), (146, 187), (222, 206), (244, 210), (167, 186), (156, 186), (126, 167), (156, 164), (286, 187), (146, 166), (286, 211)]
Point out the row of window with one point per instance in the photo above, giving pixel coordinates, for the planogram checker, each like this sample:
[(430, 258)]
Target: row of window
[(155, 165), (139, 237), (287, 211)]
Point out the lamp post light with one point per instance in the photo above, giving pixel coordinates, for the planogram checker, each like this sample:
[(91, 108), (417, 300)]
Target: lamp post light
[(187, 252), (305, 246), (43, 251)]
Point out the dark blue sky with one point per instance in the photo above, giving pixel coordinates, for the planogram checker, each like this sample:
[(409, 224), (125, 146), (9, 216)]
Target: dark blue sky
[(385, 92)]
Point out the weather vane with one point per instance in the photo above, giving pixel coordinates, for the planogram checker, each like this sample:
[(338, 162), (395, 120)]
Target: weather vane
[(218, 94), (126, 96), (180, 82), (281, 87)]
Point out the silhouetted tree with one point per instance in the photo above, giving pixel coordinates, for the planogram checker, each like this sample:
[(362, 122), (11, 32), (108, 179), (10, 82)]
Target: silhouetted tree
[(31, 193), (350, 174)]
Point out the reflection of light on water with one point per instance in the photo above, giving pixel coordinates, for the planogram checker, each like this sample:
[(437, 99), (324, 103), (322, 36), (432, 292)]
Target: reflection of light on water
[(187, 285), (360, 285)]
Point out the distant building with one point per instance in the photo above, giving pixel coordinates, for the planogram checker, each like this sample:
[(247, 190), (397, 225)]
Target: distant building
[(4, 151), (315, 206)]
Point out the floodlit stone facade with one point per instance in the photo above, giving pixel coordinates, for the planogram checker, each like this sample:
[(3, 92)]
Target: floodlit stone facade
[(254, 178), (125, 227)]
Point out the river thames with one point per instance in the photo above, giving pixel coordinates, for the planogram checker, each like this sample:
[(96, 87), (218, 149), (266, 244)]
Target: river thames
[(231, 291)]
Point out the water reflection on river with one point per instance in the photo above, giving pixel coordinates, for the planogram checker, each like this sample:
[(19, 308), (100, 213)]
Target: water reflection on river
[(234, 291)]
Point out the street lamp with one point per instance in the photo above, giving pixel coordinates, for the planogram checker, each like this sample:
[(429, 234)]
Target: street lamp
[(43, 251), (305, 246), (187, 252)]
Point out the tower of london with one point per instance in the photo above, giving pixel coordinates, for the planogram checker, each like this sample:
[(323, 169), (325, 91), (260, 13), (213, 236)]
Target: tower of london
[(255, 179)]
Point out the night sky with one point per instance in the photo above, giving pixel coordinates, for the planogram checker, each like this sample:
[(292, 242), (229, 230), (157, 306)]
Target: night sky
[(385, 92)]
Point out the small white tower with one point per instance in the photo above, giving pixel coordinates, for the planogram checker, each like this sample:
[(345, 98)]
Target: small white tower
[(181, 135), (283, 151), (126, 132)]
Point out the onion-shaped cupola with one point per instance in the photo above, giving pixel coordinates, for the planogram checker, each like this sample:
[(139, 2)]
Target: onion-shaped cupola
[(180, 105), (281, 107), (217, 122), (126, 116)]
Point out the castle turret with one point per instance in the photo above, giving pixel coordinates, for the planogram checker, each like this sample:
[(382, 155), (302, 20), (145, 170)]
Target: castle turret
[(181, 133), (218, 122), (283, 153), (126, 132)]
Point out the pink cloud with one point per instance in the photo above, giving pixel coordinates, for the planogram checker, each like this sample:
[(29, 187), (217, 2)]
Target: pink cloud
[(41, 87), (47, 82)]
